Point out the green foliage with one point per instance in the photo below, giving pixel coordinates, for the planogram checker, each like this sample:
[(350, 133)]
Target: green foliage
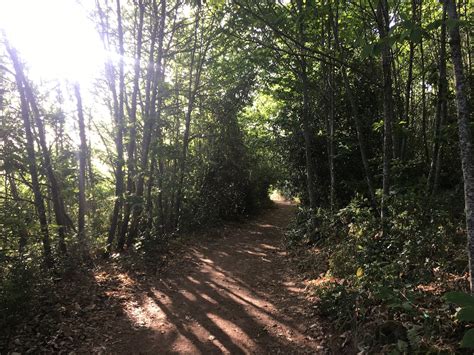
[(372, 276), (465, 314), (16, 292), (338, 302)]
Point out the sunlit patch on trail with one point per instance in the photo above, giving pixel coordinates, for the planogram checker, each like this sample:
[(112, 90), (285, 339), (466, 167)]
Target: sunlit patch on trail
[(269, 247), (232, 330), (193, 280), (266, 225), (254, 253), (144, 313)]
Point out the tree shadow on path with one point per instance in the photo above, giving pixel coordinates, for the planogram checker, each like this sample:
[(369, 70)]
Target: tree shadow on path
[(229, 293)]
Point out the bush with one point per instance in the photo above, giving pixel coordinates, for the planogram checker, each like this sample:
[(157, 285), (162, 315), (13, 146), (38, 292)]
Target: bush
[(396, 278), (16, 293)]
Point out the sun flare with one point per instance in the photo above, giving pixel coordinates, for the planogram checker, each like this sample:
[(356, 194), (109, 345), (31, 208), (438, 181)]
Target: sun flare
[(56, 38)]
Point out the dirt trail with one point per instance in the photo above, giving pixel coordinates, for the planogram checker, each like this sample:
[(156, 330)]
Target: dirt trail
[(227, 293)]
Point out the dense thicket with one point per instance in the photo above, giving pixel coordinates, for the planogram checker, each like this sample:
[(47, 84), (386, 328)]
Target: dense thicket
[(361, 109)]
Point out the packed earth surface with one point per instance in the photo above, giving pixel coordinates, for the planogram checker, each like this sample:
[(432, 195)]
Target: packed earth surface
[(231, 290)]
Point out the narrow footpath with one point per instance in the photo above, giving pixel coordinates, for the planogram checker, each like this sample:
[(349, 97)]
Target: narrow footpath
[(228, 293), (231, 290)]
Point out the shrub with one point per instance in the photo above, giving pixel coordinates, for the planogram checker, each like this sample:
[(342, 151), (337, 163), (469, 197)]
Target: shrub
[(397, 277)]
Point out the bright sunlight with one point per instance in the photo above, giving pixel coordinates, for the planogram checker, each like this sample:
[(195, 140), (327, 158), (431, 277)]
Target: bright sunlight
[(55, 37)]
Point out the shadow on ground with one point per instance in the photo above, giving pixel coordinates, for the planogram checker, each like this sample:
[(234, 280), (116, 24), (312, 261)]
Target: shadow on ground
[(230, 291)]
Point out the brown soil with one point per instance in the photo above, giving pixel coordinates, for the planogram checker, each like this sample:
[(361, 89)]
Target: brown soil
[(230, 291)]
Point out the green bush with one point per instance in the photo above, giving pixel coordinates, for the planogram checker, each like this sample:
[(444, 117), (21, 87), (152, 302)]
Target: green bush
[(375, 277), (16, 294)]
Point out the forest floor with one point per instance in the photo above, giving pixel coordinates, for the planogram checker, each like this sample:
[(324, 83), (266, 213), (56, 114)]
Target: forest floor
[(230, 290)]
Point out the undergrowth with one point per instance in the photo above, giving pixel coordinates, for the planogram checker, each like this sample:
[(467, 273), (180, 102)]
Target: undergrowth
[(384, 292)]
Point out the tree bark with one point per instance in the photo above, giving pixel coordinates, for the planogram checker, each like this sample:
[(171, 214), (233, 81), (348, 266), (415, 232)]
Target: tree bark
[(408, 87), (62, 219), (441, 112), (195, 70), (152, 114), (131, 147), (423, 98), (30, 150), (465, 133), (383, 21), (82, 167), (355, 112), (118, 103), (331, 148), (306, 111)]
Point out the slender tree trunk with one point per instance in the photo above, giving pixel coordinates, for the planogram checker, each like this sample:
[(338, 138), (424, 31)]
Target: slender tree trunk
[(355, 112), (193, 86), (383, 25), (30, 150), (398, 114), (131, 147), (82, 167), (120, 129), (465, 133), (62, 219), (423, 103), (408, 86), (23, 232), (149, 199), (118, 112), (152, 115), (441, 111), (306, 110), (330, 132)]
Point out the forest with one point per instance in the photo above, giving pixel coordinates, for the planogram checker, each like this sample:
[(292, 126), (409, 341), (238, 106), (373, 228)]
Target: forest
[(236, 176)]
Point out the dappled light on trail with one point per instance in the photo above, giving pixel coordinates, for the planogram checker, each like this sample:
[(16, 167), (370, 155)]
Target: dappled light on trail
[(233, 296)]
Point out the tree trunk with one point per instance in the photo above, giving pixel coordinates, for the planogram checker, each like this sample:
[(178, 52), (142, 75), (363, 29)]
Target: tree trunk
[(441, 112), (383, 26), (30, 150), (24, 235), (330, 132), (82, 167), (118, 113), (465, 133), (355, 112), (408, 87), (152, 114), (131, 147), (120, 130), (423, 103), (62, 219), (193, 86), (306, 110)]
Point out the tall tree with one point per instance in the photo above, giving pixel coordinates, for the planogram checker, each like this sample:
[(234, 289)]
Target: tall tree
[(465, 133), (30, 149), (82, 166), (383, 25)]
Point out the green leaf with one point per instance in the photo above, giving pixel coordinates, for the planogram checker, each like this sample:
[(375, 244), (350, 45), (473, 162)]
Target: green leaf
[(404, 35), (460, 298), (468, 339), (377, 126), (435, 24), (367, 50), (452, 23), (392, 40), (415, 35), (377, 49), (466, 314)]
